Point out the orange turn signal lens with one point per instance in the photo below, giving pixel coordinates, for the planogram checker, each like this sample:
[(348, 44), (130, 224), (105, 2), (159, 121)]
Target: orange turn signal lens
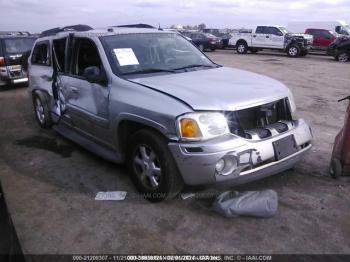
[(189, 128)]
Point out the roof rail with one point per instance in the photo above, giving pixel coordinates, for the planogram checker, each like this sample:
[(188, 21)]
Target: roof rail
[(136, 26), (14, 33), (77, 28)]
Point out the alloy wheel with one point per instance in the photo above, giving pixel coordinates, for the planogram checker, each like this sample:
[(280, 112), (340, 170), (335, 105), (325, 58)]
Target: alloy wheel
[(147, 167), (293, 51), (344, 57), (39, 110)]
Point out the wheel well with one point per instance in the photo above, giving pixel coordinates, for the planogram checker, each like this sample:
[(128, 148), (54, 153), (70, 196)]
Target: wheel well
[(128, 128), (241, 41)]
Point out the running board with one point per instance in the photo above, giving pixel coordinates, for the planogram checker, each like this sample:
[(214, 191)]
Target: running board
[(89, 145)]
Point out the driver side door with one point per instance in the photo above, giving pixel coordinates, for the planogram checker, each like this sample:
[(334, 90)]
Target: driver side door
[(87, 102)]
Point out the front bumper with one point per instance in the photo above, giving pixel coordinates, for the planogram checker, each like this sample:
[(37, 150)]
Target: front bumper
[(12, 75), (197, 161)]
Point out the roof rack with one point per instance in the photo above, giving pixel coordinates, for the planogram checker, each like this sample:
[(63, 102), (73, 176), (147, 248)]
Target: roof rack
[(14, 33), (136, 26), (54, 31)]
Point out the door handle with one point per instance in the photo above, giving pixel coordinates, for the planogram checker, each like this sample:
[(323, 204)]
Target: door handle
[(254, 35), (267, 36), (74, 90)]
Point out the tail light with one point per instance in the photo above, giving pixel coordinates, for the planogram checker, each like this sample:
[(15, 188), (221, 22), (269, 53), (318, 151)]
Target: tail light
[(2, 61)]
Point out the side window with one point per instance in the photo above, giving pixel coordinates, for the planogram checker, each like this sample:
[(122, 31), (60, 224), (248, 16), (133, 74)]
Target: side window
[(85, 55), (275, 31), (261, 30), (60, 51), (40, 54)]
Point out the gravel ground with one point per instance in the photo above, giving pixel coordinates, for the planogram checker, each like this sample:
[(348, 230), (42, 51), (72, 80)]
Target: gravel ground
[(50, 183)]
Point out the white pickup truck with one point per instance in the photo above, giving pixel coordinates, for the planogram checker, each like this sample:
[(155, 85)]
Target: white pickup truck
[(271, 37)]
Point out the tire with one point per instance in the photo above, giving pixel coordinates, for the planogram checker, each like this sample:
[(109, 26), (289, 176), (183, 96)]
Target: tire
[(152, 167), (41, 104), (304, 53), (254, 50), (242, 47), (342, 56), (335, 169), (201, 47), (293, 51)]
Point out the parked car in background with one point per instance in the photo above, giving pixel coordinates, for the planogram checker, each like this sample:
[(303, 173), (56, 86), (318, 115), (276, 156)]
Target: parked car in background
[(322, 38), (271, 37), (14, 52), (201, 40), (151, 99), (222, 34), (339, 27), (340, 49)]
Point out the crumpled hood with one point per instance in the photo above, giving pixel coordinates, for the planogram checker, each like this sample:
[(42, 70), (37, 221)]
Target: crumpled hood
[(221, 88), (305, 36)]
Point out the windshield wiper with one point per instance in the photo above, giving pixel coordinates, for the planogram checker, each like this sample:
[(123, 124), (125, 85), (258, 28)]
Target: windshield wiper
[(194, 65), (149, 71)]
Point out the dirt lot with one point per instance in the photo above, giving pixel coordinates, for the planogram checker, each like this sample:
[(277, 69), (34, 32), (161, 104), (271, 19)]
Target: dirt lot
[(50, 183)]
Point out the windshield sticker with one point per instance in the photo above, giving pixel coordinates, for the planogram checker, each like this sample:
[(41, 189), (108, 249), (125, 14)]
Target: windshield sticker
[(126, 56)]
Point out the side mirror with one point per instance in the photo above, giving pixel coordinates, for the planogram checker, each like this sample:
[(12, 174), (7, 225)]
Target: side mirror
[(94, 75)]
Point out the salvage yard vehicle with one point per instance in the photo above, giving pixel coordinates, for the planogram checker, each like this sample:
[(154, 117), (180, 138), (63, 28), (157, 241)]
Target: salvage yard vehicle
[(14, 50), (340, 49), (151, 99), (222, 34), (338, 26), (271, 37), (340, 162), (322, 38), (202, 40)]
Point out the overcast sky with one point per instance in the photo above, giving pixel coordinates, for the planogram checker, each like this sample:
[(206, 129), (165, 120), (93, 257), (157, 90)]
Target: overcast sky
[(38, 15)]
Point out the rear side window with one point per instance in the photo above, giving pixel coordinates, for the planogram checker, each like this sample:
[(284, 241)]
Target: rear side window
[(261, 30), (41, 53), (60, 51)]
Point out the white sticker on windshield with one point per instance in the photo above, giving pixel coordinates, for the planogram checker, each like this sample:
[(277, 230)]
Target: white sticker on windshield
[(126, 56)]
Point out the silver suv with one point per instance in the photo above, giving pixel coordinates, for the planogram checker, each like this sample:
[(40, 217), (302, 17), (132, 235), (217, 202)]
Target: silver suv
[(151, 99)]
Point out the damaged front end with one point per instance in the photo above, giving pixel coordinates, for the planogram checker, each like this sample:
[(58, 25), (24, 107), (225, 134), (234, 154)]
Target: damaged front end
[(304, 41), (264, 140)]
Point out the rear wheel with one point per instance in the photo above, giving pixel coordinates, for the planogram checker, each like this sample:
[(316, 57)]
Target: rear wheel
[(42, 109), (335, 169), (342, 56), (242, 47), (152, 167), (293, 51)]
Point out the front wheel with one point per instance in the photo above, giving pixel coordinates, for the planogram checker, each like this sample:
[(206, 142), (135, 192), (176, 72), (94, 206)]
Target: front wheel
[(152, 167), (293, 51), (335, 169), (342, 56)]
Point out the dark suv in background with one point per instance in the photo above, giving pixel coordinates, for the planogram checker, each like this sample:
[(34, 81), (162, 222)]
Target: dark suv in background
[(340, 49), (14, 51)]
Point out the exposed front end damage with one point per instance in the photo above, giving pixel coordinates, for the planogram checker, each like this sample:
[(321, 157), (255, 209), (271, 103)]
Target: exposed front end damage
[(264, 140), (304, 41)]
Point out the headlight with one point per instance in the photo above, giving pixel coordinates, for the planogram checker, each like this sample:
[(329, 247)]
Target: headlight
[(291, 102), (202, 126)]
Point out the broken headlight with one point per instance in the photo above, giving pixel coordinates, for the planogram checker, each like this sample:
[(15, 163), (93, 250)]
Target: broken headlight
[(202, 126)]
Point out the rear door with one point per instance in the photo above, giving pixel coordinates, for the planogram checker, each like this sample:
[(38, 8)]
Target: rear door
[(260, 37), (40, 76)]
